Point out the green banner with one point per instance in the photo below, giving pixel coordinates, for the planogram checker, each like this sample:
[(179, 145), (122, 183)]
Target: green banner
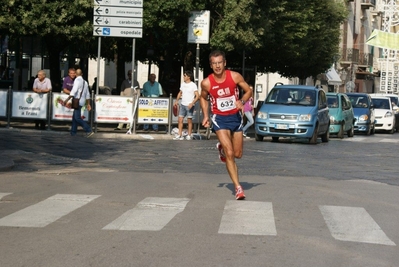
[(382, 39)]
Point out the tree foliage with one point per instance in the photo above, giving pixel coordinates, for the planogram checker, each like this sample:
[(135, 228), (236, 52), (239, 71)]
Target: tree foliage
[(296, 38)]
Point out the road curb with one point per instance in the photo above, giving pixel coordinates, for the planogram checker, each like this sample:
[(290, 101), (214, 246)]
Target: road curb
[(6, 164)]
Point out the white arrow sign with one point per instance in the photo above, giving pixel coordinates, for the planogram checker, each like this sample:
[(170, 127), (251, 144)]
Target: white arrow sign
[(118, 32), (124, 3), (118, 11), (118, 22)]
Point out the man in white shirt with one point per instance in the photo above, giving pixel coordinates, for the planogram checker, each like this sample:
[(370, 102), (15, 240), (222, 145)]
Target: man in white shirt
[(189, 95), (81, 91)]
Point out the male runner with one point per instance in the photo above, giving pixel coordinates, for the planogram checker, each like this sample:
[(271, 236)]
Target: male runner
[(222, 87)]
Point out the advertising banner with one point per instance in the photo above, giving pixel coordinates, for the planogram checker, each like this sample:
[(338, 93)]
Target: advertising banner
[(29, 105), (153, 110), (113, 109), (64, 113), (3, 103)]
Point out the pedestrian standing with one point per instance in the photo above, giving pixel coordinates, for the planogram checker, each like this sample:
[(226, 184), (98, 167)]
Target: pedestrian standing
[(67, 83), (222, 88), (41, 85), (126, 90), (249, 114), (152, 88), (80, 90), (189, 96)]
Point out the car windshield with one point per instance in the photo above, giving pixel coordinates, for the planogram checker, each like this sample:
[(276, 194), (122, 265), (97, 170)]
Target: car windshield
[(358, 101), (332, 101), (291, 96), (381, 103)]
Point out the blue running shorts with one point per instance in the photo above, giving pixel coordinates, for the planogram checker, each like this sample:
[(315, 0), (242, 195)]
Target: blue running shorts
[(227, 122)]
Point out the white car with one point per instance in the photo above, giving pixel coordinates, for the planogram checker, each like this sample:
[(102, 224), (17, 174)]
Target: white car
[(395, 106), (384, 114)]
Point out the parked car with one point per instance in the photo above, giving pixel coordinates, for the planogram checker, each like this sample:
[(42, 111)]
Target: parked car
[(384, 116), (342, 118), (296, 111), (364, 112), (395, 106)]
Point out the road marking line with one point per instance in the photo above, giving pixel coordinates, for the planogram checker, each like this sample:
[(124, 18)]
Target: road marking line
[(46, 211), (4, 194), (353, 224), (150, 214), (248, 218)]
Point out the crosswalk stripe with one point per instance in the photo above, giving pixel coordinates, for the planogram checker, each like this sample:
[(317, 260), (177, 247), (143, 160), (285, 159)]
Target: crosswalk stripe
[(46, 211), (353, 224), (150, 214), (248, 218), (4, 194)]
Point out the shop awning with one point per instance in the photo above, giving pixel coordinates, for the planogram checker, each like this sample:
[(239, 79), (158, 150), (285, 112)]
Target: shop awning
[(333, 77)]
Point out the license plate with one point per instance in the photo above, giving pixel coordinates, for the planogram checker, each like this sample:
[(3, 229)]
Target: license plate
[(282, 126)]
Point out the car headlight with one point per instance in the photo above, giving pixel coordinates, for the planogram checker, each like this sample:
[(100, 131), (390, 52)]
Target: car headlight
[(332, 120), (363, 118), (388, 114), (305, 117), (262, 115)]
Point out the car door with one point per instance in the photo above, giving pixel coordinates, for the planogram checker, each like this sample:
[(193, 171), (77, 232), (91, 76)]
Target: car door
[(371, 110), (323, 114), (347, 112)]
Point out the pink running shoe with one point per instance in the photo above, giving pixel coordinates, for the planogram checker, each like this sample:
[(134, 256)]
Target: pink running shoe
[(239, 193), (222, 156)]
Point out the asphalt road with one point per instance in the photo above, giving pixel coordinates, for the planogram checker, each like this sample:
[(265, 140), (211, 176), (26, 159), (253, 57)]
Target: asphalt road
[(139, 202)]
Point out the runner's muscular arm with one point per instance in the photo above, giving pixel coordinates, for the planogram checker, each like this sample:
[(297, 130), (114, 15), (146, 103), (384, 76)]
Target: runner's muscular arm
[(205, 85), (239, 80)]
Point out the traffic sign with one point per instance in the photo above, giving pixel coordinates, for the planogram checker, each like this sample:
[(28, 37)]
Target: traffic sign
[(118, 11), (198, 27), (118, 22), (118, 32), (124, 3)]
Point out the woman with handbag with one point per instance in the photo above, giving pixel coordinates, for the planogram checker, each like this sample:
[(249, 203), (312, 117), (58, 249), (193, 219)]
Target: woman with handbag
[(81, 96)]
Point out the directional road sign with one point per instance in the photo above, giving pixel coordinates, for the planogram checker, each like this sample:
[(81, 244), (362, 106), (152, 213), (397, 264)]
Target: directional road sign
[(123, 3), (118, 11), (118, 22), (118, 32)]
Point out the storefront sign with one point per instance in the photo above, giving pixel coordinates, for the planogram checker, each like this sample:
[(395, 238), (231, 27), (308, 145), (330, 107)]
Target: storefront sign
[(153, 110), (64, 113), (29, 105), (113, 109)]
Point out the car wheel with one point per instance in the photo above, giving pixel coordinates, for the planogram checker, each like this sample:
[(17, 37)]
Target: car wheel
[(341, 132), (392, 130), (351, 132), (373, 129), (258, 137), (326, 136), (275, 139), (313, 139)]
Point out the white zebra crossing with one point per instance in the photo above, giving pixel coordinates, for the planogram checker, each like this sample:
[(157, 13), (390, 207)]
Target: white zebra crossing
[(46, 211), (248, 218), (353, 224), (4, 194), (150, 214), (239, 217)]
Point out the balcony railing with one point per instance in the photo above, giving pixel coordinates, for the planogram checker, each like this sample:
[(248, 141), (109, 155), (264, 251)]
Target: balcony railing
[(365, 59), (366, 4), (350, 55)]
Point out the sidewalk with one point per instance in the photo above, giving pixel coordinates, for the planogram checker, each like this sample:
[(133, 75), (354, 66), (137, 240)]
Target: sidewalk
[(104, 131)]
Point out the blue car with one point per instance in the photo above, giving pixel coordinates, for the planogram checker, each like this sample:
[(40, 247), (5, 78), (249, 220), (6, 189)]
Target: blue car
[(342, 118), (295, 111), (364, 112)]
